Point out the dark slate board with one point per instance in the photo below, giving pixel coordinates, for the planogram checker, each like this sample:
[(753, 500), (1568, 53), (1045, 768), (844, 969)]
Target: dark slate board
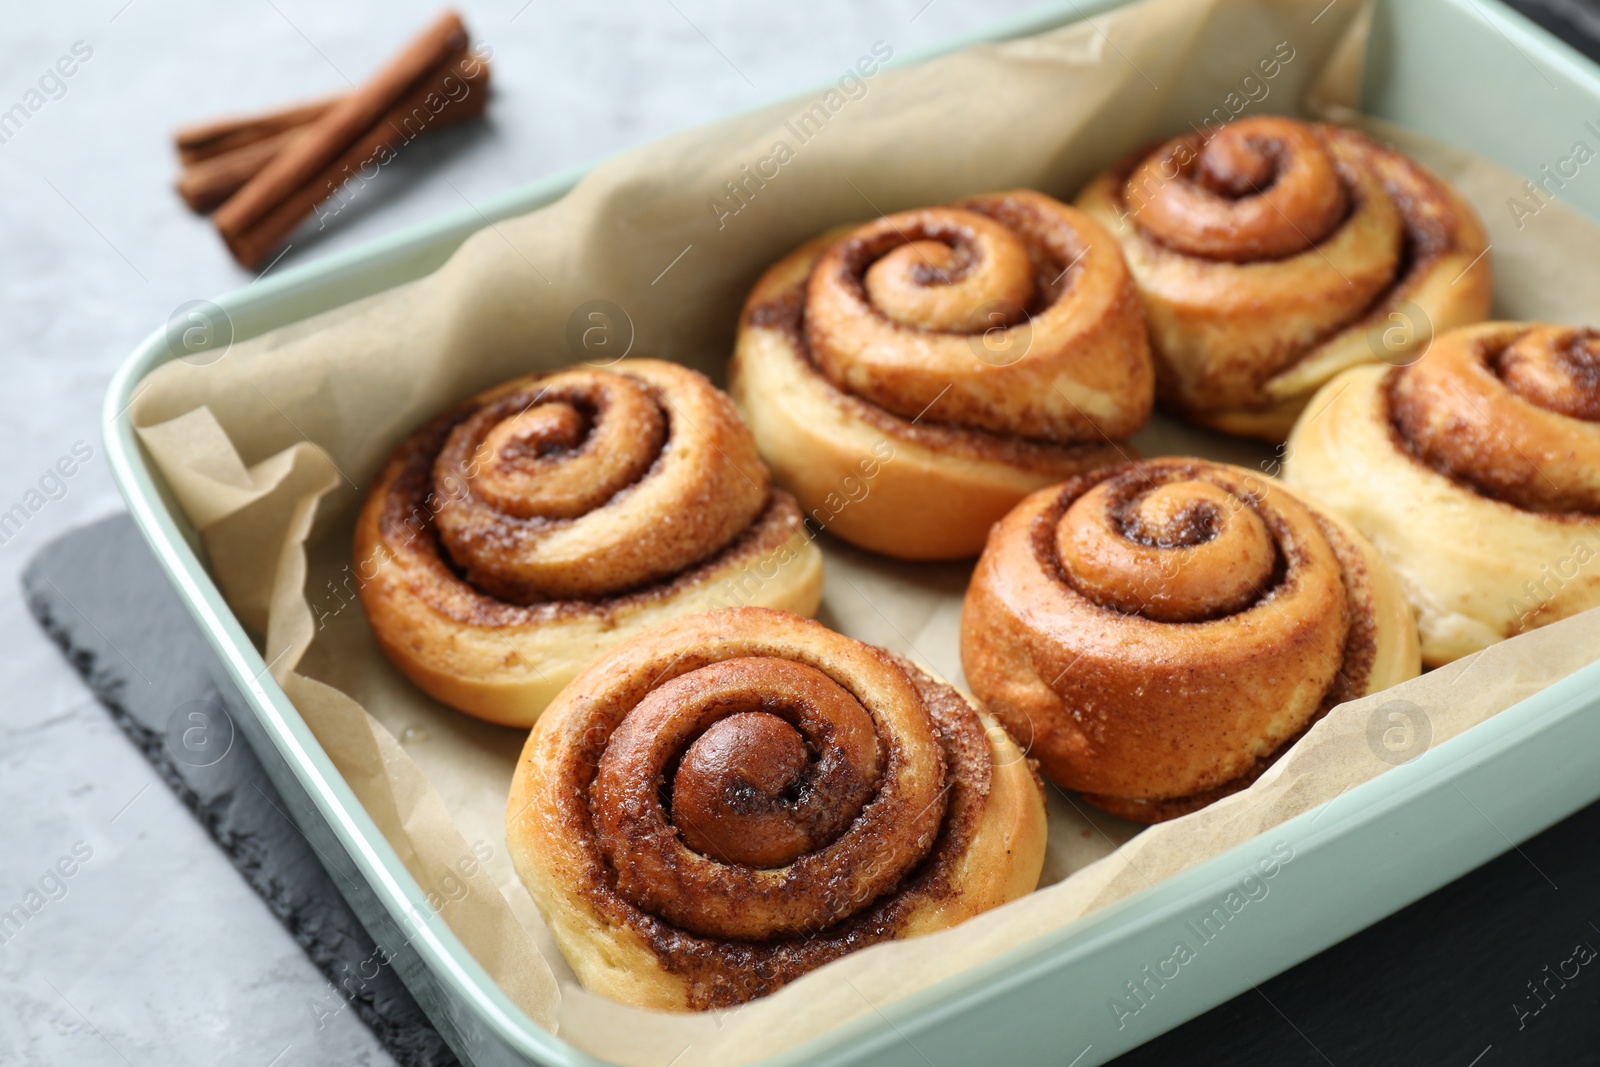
[(102, 596), (1445, 981), (1441, 982), (1575, 21)]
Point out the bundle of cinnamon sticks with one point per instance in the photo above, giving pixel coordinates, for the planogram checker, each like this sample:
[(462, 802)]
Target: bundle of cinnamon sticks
[(264, 174)]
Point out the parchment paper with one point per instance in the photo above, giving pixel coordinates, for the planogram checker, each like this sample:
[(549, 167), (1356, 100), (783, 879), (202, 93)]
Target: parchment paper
[(268, 450)]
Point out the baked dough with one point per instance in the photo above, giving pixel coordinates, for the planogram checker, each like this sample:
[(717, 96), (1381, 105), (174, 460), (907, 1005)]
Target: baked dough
[(516, 538), (1475, 472), (1157, 634), (911, 379), (724, 803), (1274, 254)]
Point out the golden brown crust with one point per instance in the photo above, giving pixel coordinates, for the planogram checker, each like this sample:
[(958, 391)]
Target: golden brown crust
[(514, 538), (1475, 472), (950, 822), (1157, 634), (964, 356), (1276, 253), (1511, 411)]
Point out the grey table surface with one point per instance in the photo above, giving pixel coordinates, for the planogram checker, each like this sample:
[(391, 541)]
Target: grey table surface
[(155, 951)]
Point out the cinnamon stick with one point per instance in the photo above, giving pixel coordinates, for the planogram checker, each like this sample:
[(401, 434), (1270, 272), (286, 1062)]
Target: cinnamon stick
[(455, 93), (218, 137), (215, 178), (329, 137)]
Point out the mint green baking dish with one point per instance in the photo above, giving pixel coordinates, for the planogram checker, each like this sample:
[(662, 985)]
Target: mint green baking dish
[(1370, 852)]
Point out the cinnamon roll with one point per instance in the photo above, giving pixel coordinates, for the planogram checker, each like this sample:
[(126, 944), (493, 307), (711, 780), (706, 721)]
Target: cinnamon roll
[(722, 804), (1475, 471), (1274, 253), (1157, 634), (514, 539), (911, 379)]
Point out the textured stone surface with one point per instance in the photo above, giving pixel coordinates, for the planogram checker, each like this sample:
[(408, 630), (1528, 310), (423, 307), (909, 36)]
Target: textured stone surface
[(100, 594)]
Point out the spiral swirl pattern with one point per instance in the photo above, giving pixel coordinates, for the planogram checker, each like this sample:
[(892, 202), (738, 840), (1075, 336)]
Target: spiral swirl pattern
[(991, 346), (543, 490), (1273, 253), (1258, 189), (1476, 471), (1158, 633), (545, 519), (998, 312), (1513, 412), (745, 795)]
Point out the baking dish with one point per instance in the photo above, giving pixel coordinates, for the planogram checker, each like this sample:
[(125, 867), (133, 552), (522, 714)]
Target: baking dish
[(1362, 856)]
